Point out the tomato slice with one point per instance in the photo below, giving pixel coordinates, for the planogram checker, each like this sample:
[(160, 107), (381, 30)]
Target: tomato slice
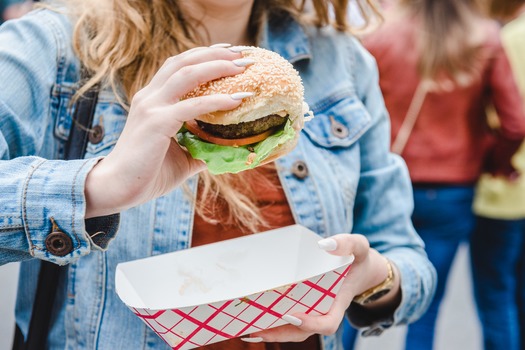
[(194, 128)]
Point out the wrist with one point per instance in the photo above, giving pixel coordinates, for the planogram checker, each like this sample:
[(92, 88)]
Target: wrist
[(379, 290), (384, 287), (376, 271), (98, 190)]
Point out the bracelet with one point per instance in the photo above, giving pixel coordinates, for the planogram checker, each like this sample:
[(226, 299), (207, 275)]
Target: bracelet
[(372, 294)]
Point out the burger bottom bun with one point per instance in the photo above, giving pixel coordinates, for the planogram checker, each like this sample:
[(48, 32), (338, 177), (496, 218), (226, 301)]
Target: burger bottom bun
[(282, 150)]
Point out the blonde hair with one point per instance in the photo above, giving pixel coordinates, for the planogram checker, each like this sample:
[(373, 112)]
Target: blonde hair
[(505, 9), (122, 43), (449, 41)]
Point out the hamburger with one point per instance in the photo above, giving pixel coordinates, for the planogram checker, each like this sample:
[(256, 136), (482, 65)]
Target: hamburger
[(263, 128)]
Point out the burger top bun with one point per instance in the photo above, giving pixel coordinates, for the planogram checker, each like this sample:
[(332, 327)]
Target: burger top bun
[(276, 85)]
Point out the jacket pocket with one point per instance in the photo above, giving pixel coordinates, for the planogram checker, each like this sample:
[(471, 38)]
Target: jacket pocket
[(110, 118), (338, 123), (108, 121), (61, 98)]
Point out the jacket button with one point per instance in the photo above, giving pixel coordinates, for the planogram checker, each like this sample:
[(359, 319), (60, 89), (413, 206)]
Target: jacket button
[(57, 242), (96, 134), (299, 169), (339, 130)]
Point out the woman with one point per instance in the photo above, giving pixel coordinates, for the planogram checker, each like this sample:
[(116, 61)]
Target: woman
[(498, 243), (145, 55), (441, 63)]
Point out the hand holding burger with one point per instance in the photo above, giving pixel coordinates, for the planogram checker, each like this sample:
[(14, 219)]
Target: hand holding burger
[(264, 127), (147, 162)]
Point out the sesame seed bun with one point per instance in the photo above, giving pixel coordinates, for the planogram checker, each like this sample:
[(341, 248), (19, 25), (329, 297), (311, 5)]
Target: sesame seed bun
[(276, 85)]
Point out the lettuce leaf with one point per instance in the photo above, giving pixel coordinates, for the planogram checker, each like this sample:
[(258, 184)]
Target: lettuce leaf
[(226, 159)]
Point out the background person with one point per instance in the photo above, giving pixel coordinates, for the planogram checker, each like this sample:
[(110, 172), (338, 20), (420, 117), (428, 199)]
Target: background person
[(498, 243), (445, 59), (11, 9), (341, 177)]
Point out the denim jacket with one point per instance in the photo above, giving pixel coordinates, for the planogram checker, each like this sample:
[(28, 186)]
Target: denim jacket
[(340, 178)]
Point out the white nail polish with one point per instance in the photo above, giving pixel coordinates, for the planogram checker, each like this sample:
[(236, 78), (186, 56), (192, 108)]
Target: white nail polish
[(328, 244), (221, 45), (239, 48), (241, 95), (243, 62), (292, 320), (252, 340)]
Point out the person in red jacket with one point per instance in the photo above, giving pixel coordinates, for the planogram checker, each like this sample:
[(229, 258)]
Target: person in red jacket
[(441, 63)]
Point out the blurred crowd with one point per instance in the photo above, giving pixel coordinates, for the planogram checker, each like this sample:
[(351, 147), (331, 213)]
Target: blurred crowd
[(453, 78), (10, 9)]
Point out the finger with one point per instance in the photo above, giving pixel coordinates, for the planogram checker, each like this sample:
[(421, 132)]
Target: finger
[(173, 63), (191, 57), (189, 77), (191, 108), (326, 324), (346, 244), (176, 164), (309, 324), (287, 333), (194, 107)]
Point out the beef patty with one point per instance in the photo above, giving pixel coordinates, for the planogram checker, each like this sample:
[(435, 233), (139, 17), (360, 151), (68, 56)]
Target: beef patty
[(244, 129)]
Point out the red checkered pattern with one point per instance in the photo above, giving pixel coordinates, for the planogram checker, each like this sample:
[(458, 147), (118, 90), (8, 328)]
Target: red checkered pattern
[(191, 327)]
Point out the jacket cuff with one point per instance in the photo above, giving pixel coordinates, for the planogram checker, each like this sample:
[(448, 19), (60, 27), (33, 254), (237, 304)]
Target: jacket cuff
[(101, 230), (53, 209), (374, 323)]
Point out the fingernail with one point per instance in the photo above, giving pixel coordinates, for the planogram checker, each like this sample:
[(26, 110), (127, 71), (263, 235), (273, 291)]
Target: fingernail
[(292, 320), (239, 48), (241, 95), (328, 244), (253, 340), (243, 62), (221, 45)]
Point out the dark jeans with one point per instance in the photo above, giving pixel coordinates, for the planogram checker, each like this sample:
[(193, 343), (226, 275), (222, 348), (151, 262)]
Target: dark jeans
[(498, 269), (443, 218)]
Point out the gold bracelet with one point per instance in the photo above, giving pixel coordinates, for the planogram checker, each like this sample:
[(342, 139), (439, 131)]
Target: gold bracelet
[(372, 294)]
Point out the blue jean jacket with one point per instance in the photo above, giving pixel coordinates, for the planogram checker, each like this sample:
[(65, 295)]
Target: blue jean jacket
[(349, 180)]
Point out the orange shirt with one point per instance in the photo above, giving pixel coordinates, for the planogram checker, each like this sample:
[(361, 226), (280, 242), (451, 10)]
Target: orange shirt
[(271, 197)]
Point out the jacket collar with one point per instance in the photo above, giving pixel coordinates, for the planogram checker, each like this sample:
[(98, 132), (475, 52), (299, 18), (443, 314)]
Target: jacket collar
[(287, 37)]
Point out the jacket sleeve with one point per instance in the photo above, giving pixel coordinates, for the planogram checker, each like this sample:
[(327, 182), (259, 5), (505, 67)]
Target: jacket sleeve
[(383, 210), (39, 196)]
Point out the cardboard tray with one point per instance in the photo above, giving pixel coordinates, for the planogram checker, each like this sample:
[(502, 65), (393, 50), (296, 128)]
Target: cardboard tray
[(228, 289)]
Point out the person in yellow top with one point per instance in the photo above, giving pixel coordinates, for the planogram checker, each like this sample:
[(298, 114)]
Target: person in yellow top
[(498, 244)]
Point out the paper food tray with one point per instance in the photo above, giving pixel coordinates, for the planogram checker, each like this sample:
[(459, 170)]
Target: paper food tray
[(228, 289)]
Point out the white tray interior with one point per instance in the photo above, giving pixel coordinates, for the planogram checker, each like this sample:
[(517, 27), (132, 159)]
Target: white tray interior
[(225, 270)]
